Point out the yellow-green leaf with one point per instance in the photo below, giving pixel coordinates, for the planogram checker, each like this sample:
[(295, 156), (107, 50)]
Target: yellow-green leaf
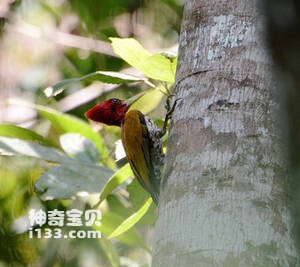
[(158, 66), (9, 130), (132, 220), (118, 178)]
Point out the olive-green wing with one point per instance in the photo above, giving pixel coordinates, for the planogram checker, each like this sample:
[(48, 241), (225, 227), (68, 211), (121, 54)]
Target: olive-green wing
[(136, 144)]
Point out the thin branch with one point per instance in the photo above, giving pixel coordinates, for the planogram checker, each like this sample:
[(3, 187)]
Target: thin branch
[(62, 38)]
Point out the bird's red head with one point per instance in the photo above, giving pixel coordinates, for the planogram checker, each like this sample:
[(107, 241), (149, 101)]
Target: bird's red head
[(111, 111)]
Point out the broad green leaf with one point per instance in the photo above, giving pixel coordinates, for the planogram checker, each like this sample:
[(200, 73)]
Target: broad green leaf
[(102, 76), (65, 181), (173, 62), (158, 66), (110, 252), (15, 146), (118, 178), (130, 50), (79, 148), (9, 130), (132, 220), (64, 123)]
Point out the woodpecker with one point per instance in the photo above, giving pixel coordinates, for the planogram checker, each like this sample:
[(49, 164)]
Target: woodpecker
[(140, 136)]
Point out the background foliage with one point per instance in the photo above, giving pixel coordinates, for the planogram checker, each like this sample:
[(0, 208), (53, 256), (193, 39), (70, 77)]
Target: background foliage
[(45, 134)]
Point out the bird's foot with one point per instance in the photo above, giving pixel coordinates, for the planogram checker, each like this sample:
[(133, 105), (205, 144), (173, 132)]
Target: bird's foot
[(170, 107)]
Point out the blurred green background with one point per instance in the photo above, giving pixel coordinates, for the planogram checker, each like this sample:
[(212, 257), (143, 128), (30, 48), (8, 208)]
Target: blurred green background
[(42, 43)]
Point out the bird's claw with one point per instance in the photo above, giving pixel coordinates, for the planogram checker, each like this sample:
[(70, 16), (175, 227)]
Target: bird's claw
[(170, 109)]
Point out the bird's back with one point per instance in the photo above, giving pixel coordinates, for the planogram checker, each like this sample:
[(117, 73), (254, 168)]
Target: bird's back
[(143, 150)]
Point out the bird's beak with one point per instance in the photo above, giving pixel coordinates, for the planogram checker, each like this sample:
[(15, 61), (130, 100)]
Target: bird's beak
[(128, 102)]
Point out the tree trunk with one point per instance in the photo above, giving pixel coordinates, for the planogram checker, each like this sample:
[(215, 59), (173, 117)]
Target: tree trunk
[(224, 199)]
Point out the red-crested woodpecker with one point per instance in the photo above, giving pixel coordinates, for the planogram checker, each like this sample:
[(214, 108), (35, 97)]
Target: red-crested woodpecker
[(140, 136)]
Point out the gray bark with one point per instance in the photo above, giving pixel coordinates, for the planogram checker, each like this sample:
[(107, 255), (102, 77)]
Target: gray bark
[(224, 199)]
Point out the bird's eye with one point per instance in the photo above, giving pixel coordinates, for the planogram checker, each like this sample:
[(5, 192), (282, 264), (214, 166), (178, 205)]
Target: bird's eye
[(115, 101)]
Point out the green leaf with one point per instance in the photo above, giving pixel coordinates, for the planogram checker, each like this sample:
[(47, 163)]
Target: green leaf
[(116, 204), (102, 76), (158, 66), (138, 195), (110, 221), (118, 178), (130, 50), (64, 123), (22, 133), (79, 148), (13, 146), (65, 181), (60, 182), (132, 220)]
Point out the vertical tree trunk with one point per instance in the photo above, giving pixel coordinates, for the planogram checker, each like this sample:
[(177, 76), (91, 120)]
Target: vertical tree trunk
[(224, 200)]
